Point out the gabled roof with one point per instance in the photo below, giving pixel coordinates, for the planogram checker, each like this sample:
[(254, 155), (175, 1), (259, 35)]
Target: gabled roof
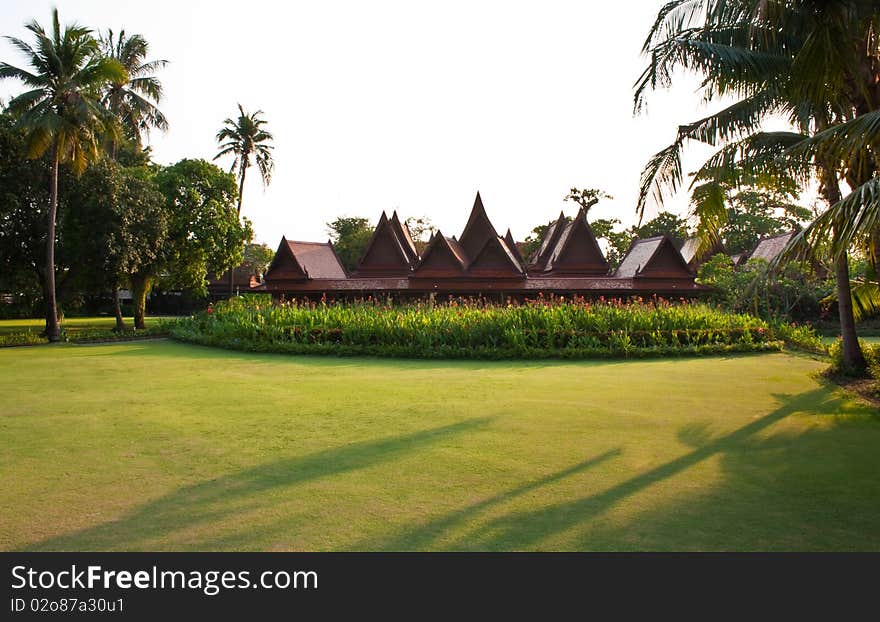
[(654, 257), (689, 249), (539, 258), (388, 252), (477, 230), (495, 260), (300, 261), (768, 248), (318, 259), (285, 264), (577, 250), (406, 241), (513, 246), (442, 257)]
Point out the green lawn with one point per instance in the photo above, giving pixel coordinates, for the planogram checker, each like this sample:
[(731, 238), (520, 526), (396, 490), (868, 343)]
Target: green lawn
[(158, 445), (71, 325), (829, 339)]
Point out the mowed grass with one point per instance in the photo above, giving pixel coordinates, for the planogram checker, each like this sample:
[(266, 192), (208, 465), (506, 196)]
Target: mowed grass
[(158, 445), (71, 325)]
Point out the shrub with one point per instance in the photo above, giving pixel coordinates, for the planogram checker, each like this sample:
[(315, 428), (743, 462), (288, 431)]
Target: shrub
[(870, 351)]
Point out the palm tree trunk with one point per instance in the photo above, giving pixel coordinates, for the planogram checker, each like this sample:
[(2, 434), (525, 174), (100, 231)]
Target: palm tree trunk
[(853, 359), (53, 332), (240, 195)]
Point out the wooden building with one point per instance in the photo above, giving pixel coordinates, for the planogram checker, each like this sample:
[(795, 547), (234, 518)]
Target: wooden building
[(480, 262)]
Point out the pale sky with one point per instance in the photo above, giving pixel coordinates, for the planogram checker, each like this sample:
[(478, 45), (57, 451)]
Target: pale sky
[(405, 105)]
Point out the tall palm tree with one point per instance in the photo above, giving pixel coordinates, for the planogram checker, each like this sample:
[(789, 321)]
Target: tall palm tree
[(135, 100), (246, 139), (804, 59), (61, 114)]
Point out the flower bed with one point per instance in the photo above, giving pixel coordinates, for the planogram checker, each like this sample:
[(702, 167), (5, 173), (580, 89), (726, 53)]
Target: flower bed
[(473, 328)]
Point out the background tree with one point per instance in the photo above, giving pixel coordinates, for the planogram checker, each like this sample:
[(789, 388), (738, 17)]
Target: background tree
[(115, 224), (204, 231), (350, 236), (61, 114), (135, 99), (617, 241), (664, 223), (257, 258), (587, 197), (420, 229), (247, 141), (24, 203), (816, 62)]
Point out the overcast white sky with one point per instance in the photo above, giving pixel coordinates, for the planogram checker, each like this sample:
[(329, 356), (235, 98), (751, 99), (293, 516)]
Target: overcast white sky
[(404, 105)]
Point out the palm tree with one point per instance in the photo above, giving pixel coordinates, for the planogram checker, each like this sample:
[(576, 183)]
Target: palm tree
[(813, 61), (247, 140), (61, 114), (135, 100)]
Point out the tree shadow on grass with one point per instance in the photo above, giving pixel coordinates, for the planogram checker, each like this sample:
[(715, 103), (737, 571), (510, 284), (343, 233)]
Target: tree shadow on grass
[(425, 535), (782, 492), (214, 500)]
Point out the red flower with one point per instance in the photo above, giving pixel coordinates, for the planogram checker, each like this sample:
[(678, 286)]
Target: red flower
[(210, 309)]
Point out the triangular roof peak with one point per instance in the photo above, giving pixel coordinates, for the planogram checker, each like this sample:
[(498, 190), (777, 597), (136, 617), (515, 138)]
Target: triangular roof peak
[(387, 253), (405, 237), (443, 257), (654, 257), (495, 260), (511, 244), (477, 230), (285, 265), (577, 250), (538, 260)]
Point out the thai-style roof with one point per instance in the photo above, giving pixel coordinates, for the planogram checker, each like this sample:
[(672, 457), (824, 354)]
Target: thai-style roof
[(496, 260), (477, 230), (443, 257), (577, 250), (689, 249), (569, 261), (769, 248), (739, 258), (389, 252), (654, 257), (285, 265), (298, 261), (513, 245), (402, 231), (538, 260)]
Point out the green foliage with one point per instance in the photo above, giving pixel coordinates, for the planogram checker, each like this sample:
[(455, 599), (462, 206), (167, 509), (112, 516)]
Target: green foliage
[(754, 213), (204, 232), (134, 99), (871, 352), (794, 294), (257, 258), (246, 139), (665, 223), (586, 198), (114, 224), (61, 111), (350, 236), (471, 328), (420, 230), (617, 242)]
